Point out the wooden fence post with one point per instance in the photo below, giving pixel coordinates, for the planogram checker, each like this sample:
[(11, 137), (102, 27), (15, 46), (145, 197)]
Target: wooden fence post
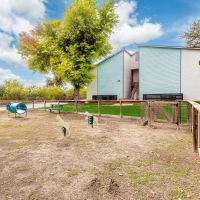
[(45, 104), (76, 106), (174, 113), (99, 112), (153, 112), (179, 113), (33, 105), (188, 113), (198, 133), (191, 117), (195, 130), (141, 111), (149, 113), (120, 109)]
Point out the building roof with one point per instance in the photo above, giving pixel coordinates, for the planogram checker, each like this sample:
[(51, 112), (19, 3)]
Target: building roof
[(114, 54), (170, 47)]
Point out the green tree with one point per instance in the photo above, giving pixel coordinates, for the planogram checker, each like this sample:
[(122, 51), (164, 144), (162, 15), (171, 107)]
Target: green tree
[(55, 81), (56, 93), (49, 82), (2, 92), (69, 94), (192, 36), (42, 93), (14, 90), (83, 93), (51, 93), (69, 47), (31, 91)]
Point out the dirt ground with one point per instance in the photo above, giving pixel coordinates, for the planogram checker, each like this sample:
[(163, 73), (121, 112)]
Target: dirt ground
[(117, 159)]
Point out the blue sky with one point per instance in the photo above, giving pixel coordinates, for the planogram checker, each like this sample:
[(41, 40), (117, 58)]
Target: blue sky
[(155, 22)]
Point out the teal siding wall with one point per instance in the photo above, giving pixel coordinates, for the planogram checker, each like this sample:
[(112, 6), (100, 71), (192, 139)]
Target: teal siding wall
[(159, 70), (110, 76)]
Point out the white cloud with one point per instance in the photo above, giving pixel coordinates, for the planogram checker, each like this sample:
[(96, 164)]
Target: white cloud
[(31, 9), (9, 53), (181, 25), (6, 74), (49, 75), (177, 29), (125, 11), (129, 30), (17, 16), (21, 15), (21, 25)]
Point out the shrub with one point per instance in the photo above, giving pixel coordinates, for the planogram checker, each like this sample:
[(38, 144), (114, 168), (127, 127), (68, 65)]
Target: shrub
[(69, 94), (83, 93), (41, 93), (14, 90), (2, 92), (56, 93)]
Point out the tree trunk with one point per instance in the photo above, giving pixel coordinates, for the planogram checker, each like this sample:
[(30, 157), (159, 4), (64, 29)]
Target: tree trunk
[(76, 97)]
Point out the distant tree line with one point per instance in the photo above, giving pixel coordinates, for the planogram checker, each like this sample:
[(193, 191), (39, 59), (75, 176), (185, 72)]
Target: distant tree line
[(14, 90)]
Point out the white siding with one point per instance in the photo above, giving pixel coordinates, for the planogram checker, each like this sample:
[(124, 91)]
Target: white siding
[(92, 87), (127, 75), (190, 74), (135, 61)]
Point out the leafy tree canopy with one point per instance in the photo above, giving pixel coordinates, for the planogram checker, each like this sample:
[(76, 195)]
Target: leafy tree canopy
[(55, 81), (69, 47), (192, 36)]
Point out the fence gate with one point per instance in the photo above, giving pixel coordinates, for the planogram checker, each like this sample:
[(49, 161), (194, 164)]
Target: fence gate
[(161, 112)]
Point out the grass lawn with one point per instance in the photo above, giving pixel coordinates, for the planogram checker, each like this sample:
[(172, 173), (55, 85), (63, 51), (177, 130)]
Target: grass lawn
[(127, 110), (183, 112)]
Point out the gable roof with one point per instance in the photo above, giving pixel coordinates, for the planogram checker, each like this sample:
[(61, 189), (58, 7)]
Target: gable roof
[(114, 54), (170, 47)]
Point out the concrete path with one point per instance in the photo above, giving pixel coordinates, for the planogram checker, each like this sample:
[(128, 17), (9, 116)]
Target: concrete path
[(29, 105)]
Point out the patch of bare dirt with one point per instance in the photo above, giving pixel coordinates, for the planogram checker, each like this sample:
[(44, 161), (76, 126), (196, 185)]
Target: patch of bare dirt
[(113, 187), (117, 159), (94, 185)]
